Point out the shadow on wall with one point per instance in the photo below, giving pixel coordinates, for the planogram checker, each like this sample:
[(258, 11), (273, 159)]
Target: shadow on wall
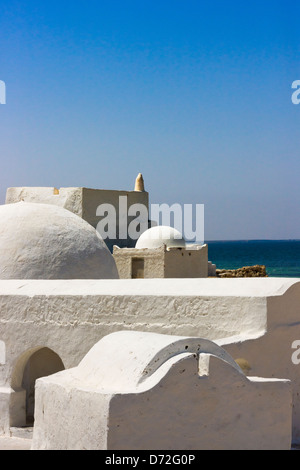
[(40, 363)]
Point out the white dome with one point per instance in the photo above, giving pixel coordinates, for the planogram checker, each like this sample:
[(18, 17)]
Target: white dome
[(43, 241), (155, 237)]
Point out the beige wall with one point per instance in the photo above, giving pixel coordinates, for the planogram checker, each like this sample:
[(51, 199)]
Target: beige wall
[(153, 261), (164, 263), (184, 263)]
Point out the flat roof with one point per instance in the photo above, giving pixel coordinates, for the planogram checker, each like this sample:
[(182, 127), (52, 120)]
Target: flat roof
[(228, 287)]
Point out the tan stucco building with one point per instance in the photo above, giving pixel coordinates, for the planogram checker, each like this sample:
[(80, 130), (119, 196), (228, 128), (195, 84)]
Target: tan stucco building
[(162, 252), (161, 262)]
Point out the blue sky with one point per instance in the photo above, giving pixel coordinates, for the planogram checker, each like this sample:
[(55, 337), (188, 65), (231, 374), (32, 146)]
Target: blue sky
[(196, 95)]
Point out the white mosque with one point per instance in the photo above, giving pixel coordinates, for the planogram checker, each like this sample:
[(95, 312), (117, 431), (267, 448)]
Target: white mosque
[(98, 353)]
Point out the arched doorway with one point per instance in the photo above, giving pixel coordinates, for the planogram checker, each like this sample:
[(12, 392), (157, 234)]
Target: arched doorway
[(42, 363), (36, 363)]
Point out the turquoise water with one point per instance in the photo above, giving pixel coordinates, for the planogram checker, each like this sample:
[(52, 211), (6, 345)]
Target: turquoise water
[(281, 257)]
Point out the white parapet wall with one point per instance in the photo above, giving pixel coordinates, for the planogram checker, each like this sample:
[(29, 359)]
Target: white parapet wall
[(147, 391), (256, 320)]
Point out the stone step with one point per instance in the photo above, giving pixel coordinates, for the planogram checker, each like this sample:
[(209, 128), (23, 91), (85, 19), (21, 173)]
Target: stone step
[(22, 433)]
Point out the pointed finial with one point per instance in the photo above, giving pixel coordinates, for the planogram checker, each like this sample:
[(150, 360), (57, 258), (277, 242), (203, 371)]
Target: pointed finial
[(139, 183)]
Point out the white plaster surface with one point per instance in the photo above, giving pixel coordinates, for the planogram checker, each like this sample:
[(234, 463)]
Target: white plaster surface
[(67, 198), (43, 241), (137, 390), (85, 202), (15, 443), (256, 319), (160, 235), (2, 352)]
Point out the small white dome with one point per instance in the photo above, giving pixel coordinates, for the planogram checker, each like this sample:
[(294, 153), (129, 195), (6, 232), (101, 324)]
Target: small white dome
[(43, 241), (155, 237)]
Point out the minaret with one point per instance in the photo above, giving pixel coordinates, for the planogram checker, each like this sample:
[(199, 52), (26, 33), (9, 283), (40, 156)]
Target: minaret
[(139, 183)]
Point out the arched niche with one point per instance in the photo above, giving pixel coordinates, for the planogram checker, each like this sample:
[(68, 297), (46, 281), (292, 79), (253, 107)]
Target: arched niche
[(33, 364)]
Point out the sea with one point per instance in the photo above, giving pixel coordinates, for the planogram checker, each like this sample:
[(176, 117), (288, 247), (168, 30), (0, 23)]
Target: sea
[(281, 257)]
